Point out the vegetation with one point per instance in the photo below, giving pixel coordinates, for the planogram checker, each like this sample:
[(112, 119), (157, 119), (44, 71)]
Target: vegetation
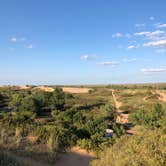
[(43, 125), (146, 148), (154, 118), (56, 121)]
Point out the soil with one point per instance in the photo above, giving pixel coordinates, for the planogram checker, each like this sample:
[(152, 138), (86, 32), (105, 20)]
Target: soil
[(74, 157), (75, 90)]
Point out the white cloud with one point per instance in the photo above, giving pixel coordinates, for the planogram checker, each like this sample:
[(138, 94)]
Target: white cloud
[(154, 70), (129, 60), (117, 35), (141, 33), (156, 35), (18, 39), (85, 57), (155, 39), (160, 25), (30, 46), (140, 25), (158, 32), (151, 18), (13, 39), (88, 57), (132, 47), (159, 43), (149, 34), (109, 63)]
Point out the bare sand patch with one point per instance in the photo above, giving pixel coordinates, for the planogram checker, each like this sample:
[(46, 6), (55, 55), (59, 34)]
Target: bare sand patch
[(81, 151), (65, 89), (75, 90), (24, 87), (44, 88), (163, 95)]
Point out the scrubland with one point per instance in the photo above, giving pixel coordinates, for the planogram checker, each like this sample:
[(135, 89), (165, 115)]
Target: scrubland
[(67, 125)]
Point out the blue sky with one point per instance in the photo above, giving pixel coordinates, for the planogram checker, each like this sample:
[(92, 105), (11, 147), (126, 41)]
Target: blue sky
[(82, 41)]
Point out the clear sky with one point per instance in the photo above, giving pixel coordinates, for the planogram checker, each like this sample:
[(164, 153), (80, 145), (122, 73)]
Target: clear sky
[(82, 41)]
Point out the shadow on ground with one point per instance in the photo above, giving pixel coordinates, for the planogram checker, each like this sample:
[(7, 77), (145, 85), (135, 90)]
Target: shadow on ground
[(74, 159)]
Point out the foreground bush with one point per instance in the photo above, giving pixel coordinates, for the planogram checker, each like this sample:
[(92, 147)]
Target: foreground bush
[(146, 149)]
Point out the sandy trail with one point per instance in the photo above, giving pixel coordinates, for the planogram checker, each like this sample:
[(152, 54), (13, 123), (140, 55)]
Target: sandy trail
[(26, 160), (75, 157), (122, 118), (116, 102)]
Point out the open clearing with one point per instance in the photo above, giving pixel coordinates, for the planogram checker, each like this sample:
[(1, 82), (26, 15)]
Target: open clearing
[(76, 90), (44, 88), (163, 95), (65, 89)]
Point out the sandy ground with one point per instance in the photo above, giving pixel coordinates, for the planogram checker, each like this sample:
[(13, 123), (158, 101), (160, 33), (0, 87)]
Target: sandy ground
[(44, 88), (75, 90), (75, 157), (122, 118), (116, 102), (27, 160), (24, 87), (163, 95), (65, 89)]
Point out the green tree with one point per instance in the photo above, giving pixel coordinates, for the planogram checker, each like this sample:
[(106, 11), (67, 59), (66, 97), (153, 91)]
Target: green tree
[(57, 100)]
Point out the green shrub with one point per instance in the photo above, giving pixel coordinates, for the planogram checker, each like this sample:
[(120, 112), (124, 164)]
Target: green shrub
[(150, 119)]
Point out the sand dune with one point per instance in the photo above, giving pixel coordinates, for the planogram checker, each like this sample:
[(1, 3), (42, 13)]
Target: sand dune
[(75, 90)]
